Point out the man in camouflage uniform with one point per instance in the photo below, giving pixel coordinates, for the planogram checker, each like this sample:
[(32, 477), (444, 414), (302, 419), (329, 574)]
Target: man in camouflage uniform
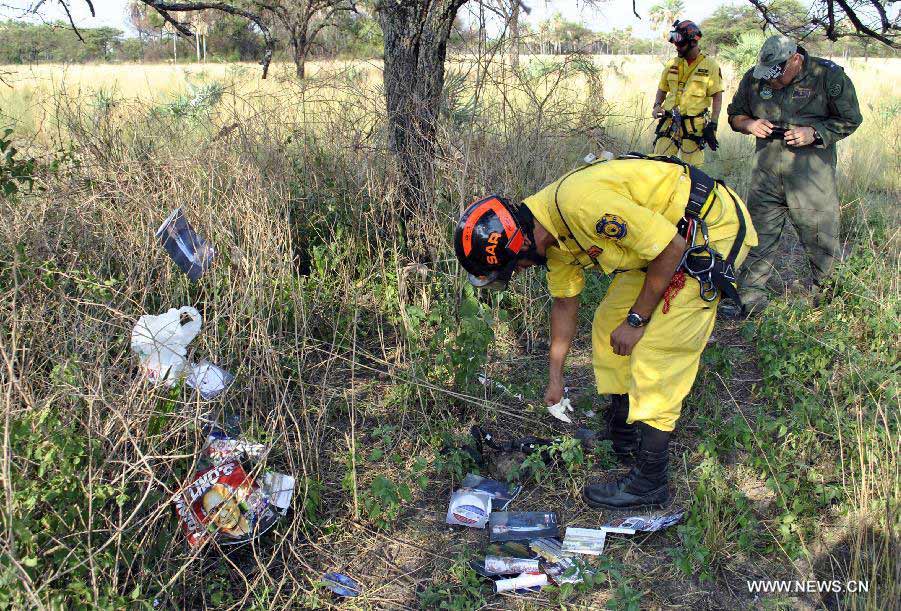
[(798, 107)]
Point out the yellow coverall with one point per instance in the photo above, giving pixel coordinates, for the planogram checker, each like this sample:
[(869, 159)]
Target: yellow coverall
[(690, 88), (624, 213)]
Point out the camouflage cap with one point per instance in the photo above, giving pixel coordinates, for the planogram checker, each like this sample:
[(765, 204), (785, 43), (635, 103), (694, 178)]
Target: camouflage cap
[(774, 51)]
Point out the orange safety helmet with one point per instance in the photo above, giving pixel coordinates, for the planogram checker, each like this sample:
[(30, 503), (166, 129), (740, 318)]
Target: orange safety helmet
[(489, 241), (684, 32)]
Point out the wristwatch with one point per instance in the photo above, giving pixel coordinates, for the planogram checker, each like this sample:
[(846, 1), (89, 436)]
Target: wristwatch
[(636, 320), (817, 138)]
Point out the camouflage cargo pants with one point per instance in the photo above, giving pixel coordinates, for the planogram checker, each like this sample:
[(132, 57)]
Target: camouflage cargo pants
[(796, 185)]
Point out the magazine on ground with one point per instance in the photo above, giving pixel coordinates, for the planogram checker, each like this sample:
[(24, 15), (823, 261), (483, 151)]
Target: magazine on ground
[(584, 541), (646, 524), (519, 525)]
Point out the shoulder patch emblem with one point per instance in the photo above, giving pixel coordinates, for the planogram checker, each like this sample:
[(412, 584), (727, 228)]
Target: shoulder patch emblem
[(766, 92), (835, 90), (611, 226)]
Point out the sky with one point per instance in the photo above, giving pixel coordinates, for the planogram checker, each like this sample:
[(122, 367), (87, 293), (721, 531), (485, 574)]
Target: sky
[(612, 15)]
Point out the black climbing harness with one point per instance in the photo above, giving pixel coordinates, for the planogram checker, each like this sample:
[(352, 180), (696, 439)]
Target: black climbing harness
[(681, 127), (715, 274)]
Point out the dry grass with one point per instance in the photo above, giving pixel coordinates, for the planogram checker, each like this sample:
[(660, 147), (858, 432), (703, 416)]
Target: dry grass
[(314, 306)]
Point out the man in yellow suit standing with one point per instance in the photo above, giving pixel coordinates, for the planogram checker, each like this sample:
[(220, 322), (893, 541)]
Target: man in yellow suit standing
[(688, 100)]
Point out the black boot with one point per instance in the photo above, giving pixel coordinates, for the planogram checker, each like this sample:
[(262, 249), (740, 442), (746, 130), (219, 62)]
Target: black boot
[(624, 437), (646, 485)]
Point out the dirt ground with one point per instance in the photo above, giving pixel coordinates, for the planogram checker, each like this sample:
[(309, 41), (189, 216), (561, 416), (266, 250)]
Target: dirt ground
[(396, 565)]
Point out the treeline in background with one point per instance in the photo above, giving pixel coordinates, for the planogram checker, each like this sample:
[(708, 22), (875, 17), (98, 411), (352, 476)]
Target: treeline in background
[(732, 29)]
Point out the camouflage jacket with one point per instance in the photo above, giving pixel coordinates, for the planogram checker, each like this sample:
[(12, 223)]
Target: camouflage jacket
[(821, 96)]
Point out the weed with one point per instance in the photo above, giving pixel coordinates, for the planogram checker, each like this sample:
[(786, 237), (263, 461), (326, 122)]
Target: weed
[(383, 500), (15, 171), (462, 591), (566, 452), (719, 523)]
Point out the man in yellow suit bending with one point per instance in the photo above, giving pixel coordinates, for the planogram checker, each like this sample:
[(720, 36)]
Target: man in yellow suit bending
[(688, 100), (673, 238)]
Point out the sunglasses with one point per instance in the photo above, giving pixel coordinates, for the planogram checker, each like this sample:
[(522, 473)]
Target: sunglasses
[(775, 72)]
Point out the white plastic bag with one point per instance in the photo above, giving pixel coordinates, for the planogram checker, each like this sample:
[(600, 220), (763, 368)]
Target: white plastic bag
[(161, 343)]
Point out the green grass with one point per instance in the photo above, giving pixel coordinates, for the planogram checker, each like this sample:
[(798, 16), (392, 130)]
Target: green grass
[(358, 363)]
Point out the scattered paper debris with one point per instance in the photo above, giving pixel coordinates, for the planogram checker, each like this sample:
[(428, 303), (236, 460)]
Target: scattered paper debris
[(549, 549), (584, 541), (191, 253), (342, 585), (224, 502), (520, 525), (486, 381), (618, 530), (559, 410), (220, 448), (208, 379), (280, 488), (501, 494), (646, 523), (508, 565), (526, 581), (469, 508), (161, 343)]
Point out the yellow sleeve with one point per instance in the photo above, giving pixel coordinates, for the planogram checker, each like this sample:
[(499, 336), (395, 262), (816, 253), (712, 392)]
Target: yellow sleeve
[(563, 278), (611, 217), (663, 85), (715, 82)]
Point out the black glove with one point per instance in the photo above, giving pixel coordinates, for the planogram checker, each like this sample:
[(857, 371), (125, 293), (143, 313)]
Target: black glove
[(710, 136)]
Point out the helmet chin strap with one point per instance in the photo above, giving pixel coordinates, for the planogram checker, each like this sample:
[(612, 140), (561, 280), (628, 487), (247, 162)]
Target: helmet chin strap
[(683, 51), (527, 222)]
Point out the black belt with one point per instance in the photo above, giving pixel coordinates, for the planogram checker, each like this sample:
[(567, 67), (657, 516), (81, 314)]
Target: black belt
[(715, 274)]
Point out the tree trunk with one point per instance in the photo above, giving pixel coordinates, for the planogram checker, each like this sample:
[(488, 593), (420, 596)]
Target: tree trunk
[(301, 48), (416, 35), (514, 34)]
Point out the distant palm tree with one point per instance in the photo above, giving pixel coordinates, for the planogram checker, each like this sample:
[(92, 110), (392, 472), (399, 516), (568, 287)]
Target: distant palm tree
[(665, 13)]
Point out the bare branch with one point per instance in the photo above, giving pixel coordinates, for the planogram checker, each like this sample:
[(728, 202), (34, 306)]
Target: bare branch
[(71, 23), (163, 8), (860, 27), (830, 22), (886, 24)]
